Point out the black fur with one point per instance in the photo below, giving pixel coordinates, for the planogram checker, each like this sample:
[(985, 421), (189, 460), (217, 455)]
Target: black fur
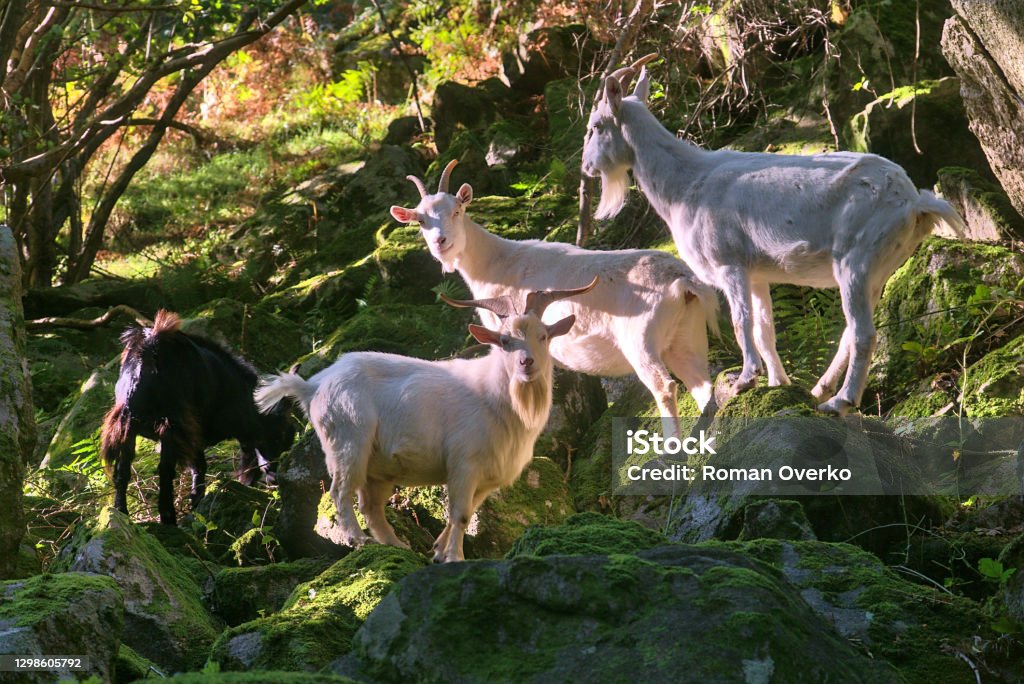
[(187, 393)]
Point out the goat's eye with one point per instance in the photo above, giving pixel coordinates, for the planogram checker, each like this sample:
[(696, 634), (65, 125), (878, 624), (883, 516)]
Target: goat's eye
[(543, 338), (505, 341)]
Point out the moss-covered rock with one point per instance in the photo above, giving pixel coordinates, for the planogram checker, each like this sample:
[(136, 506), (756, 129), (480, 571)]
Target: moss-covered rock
[(256, 332), (1012, 590), (916, 628), (986, 209), (17, 420), (577, 402), (243, 594), (931, 315), (460, 106), (712, 614), (70, 613), (165, 620), (316, 625), (416, 529), (775, 519), (129, 666), (227, 512), (586, 534)]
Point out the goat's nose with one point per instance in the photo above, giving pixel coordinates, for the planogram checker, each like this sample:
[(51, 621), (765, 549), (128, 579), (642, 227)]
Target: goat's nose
[(528, 361), (441, 240)]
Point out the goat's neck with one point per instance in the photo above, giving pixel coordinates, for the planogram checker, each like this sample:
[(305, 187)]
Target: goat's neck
[(663, 165), (484, 259)]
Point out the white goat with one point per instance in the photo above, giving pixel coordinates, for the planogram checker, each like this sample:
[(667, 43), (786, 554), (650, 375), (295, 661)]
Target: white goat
[(648, 314), (745, 220), (384, 420)]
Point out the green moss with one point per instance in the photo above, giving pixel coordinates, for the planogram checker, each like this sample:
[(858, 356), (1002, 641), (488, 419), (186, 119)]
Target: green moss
[(227, 512), (164, 605), (766, 402), (586, 534), (317, 622), (243, 594), (994, 386), (43, 596), (914, 627), (129, 666)]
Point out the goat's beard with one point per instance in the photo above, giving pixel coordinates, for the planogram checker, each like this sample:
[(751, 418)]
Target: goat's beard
[(614, 189)]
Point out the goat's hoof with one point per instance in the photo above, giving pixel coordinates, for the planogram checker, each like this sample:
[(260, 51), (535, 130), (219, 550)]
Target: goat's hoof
[(742, 384), (359, 542), (822, 393), (835, 406)]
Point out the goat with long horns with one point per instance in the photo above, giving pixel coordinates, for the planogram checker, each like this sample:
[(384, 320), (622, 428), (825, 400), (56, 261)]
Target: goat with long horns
[(384, 420)]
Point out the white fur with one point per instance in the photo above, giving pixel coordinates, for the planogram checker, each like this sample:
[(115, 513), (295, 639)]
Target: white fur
[(648, 313), (384, 420), (745, 220)]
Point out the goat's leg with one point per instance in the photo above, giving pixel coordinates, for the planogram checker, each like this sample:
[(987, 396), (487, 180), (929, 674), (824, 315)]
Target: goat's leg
[(198, 477), (121, 455), (461, 494), (764, 333), (172, 447), (644, 356), (735, 283), (373, 497), (346, 462), (825, 389), (855, 290), (687, 358), (248, 465)]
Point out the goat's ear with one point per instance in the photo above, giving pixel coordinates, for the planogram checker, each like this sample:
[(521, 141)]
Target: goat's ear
[(561, 327), (465, 194), (484, 335), (643, 86), (613, 94), (404, 215)]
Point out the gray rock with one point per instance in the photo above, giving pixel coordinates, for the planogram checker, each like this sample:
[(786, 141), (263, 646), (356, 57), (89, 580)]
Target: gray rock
[(165, 620), (709, 613), (985, 207), (69, 614), (985, 45)]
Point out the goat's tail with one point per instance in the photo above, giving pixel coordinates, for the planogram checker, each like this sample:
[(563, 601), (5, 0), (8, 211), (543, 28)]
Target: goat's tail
[(688, 288), (273, 388), (932, 211), (114, 436)]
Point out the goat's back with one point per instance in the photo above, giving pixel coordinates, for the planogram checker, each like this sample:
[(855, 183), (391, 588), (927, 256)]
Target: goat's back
[(170, 375)]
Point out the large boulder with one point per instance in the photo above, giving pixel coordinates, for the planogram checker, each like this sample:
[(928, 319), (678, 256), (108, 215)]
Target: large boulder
[(64, 614), (458, 106), (243, 594), (317, 622), (984, 43), (544, 55), (712, 614), (17, 422), (165, 620), (918, 629), (984, 206), (946, 291)]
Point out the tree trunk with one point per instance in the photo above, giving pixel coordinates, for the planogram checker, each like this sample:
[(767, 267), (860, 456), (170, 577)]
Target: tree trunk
[(17, 424)]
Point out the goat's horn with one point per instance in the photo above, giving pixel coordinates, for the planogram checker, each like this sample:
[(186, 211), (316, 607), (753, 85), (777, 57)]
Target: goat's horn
[(502, 307), (442, 186), (537, 302), (626, 74), (419, 185), (646, 59)]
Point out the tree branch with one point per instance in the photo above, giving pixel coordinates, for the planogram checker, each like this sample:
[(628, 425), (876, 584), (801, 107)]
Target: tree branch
[(85, 324)]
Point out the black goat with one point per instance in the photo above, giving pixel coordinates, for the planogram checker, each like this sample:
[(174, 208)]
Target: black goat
[(187, 393)]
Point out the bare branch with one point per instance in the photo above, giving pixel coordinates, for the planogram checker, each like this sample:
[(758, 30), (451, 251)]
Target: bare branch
[(120, 310)]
